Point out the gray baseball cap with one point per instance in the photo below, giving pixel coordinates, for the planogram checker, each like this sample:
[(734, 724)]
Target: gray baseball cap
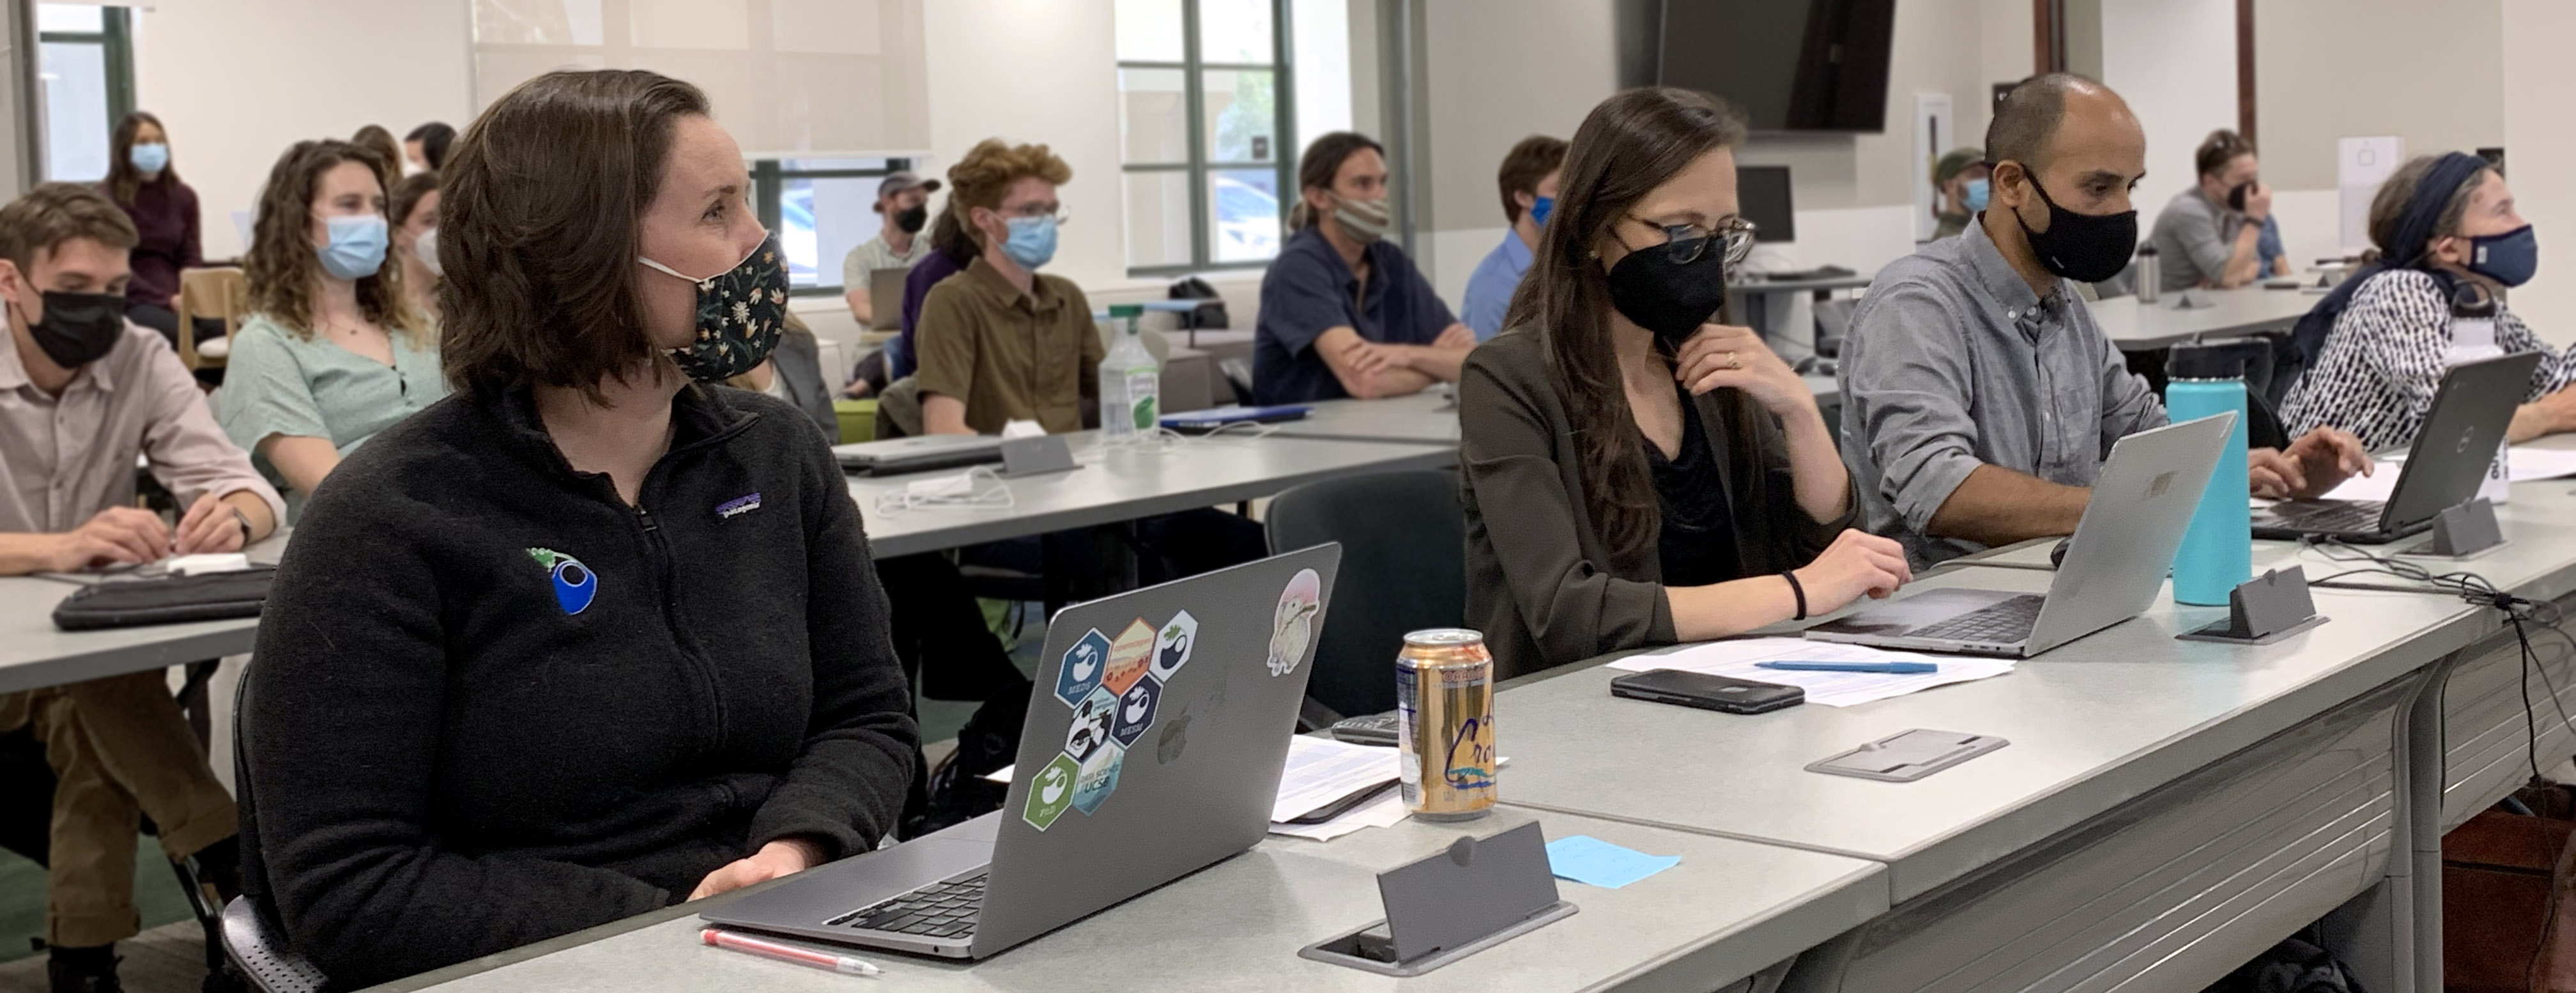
[(898, 182)]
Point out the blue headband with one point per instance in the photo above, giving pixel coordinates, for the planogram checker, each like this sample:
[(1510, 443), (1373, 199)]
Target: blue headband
[(2405, 250)]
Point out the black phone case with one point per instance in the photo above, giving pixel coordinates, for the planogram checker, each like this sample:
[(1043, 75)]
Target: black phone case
[(1675, 687)]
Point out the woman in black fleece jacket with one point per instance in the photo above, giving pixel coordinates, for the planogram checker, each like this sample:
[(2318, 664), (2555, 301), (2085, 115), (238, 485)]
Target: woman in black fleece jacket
[(585, 639)]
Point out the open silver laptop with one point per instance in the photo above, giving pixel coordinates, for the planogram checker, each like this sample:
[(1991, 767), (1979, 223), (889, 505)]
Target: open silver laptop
[(1153, 749), (2115, 564), (885, 298), (896, 456)]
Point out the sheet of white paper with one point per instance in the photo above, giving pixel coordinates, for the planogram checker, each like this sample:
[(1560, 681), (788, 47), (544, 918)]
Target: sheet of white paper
[(2528, 463), (1735, 659), (1322, 770), (1385, 811), (2376, 487)]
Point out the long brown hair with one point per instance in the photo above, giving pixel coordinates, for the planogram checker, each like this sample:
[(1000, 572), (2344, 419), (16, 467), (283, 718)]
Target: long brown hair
[(540, 220), (123, 179), (1629, 145), (282, 267)]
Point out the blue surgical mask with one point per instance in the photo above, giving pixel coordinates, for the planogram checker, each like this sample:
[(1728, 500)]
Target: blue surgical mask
[(2509, 258), (149, 158), (357, 247), (1032, 241), (1978, 190), (1540, 210)]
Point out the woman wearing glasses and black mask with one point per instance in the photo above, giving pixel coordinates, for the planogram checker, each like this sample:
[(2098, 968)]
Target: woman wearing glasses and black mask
[(1634, 473)]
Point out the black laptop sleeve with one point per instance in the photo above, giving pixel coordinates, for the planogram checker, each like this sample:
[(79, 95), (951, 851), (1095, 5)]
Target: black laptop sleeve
[(137, 602)]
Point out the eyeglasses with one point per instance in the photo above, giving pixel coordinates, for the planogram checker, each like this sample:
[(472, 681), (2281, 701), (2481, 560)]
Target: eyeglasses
[(1062, 214), (1685, 243)]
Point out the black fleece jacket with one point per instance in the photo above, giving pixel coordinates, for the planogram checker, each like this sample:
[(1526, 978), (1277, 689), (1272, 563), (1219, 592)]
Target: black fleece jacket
[(493, 703)]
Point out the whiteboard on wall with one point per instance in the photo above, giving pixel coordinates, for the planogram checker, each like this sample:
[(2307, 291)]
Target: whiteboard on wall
[(2361, 164), (1934, 133)]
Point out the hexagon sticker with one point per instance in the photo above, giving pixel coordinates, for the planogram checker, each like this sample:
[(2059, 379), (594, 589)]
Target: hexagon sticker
[(1084, 664), (1136, 711), (1172, 645), (1129, 656), (1051, 791), (1097, 778), (1091, 720)]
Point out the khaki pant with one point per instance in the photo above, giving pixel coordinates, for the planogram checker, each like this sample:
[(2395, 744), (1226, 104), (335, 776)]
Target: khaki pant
[(120, 748)]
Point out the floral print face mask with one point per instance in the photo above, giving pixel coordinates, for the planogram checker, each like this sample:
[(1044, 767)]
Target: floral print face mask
[(741, 312)]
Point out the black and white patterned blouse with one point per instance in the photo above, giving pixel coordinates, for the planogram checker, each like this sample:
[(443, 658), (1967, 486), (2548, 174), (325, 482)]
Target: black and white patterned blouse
[(2383, 362)]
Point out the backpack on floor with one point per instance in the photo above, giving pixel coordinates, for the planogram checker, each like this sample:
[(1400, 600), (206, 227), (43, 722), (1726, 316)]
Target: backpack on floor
[(2296, 965)]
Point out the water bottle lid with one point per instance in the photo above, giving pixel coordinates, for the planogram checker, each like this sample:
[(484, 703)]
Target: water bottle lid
[(2147, 251), (1126, 310), (2214, 360), (2471, 299)]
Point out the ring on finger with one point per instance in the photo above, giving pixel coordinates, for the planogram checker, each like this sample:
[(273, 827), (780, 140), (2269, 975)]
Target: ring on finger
[(1734, 360)]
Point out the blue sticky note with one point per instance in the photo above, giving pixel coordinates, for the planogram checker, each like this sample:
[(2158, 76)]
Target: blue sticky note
[(1586, 859)]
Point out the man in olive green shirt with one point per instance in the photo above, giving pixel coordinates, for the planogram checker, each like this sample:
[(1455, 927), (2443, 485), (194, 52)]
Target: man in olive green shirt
[(1001, 342)]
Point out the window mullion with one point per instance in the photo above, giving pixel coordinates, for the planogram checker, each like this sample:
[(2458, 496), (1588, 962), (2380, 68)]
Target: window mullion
[(1193, 87)]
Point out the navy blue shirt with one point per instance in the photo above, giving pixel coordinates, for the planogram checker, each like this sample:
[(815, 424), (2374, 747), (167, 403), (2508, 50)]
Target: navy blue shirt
[(1309, 291)]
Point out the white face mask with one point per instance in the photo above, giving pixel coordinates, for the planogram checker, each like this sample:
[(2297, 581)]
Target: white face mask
[(426, 247)]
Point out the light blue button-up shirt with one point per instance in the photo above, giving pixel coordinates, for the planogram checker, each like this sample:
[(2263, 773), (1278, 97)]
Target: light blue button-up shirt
[(1489, 289)]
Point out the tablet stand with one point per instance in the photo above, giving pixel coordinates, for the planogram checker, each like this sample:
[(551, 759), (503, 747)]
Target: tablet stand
[(2465, 531), (2263, 610), (1473, 896), (1035, 456)]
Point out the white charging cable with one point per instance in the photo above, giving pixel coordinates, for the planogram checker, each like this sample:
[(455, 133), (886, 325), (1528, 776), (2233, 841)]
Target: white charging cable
[(979, 488)]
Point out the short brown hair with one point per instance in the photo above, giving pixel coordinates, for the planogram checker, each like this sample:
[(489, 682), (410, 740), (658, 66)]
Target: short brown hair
[(985, 175), (2220, 148), (1317, 167), (281, 267), (53, 213), (1523, 167), (389, 153), (540, 221), (407, 195)]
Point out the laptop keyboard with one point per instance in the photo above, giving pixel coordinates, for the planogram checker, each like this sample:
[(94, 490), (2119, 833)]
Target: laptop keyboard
[(939, 910), (2337, 515), (2004, 623)]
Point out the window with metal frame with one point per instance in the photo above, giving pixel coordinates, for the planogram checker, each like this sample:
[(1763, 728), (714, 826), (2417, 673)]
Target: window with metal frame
[(1206, 143), (820, 210), (86, 73)]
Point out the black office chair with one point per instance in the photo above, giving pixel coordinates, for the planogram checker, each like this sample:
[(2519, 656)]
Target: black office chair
[(253, 940), (1238, 374), (1404, 568), (1833, 324)]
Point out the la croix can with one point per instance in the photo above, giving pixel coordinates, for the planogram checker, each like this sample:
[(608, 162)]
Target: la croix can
[(1444, 692)]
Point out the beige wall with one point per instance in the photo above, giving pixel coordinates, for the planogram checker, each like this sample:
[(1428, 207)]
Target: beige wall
[(236, 83), (2425, 70), (2540, 152)]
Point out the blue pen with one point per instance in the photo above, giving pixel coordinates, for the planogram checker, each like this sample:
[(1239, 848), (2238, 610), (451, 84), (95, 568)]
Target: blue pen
[(1889, 668)]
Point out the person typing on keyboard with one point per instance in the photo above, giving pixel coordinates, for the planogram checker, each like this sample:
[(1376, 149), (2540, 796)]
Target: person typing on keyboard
[(1980, 396)]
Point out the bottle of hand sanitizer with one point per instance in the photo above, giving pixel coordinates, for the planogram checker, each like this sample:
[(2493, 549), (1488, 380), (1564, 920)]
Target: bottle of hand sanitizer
[(1131, 382)]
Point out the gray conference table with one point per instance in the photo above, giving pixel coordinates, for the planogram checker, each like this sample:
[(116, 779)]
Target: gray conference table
[(2165, 808), (2471, 740), (1123, 484), (1729, 910), (2139, 327), (1429, 417), (34, 653)]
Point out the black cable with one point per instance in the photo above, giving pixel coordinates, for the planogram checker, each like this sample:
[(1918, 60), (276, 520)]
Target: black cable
[(2474, 589)]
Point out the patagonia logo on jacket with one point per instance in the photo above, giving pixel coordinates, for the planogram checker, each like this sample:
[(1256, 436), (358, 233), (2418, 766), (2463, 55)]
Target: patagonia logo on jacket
[(738, 505)]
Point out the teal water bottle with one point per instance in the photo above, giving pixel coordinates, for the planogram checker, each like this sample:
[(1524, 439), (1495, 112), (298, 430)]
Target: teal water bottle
[(2217, 551)]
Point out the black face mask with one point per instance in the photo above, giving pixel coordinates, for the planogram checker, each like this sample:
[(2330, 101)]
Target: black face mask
[(79, 328), (1671, 299), (911, 219), (2236, 197), (2087, 248)]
